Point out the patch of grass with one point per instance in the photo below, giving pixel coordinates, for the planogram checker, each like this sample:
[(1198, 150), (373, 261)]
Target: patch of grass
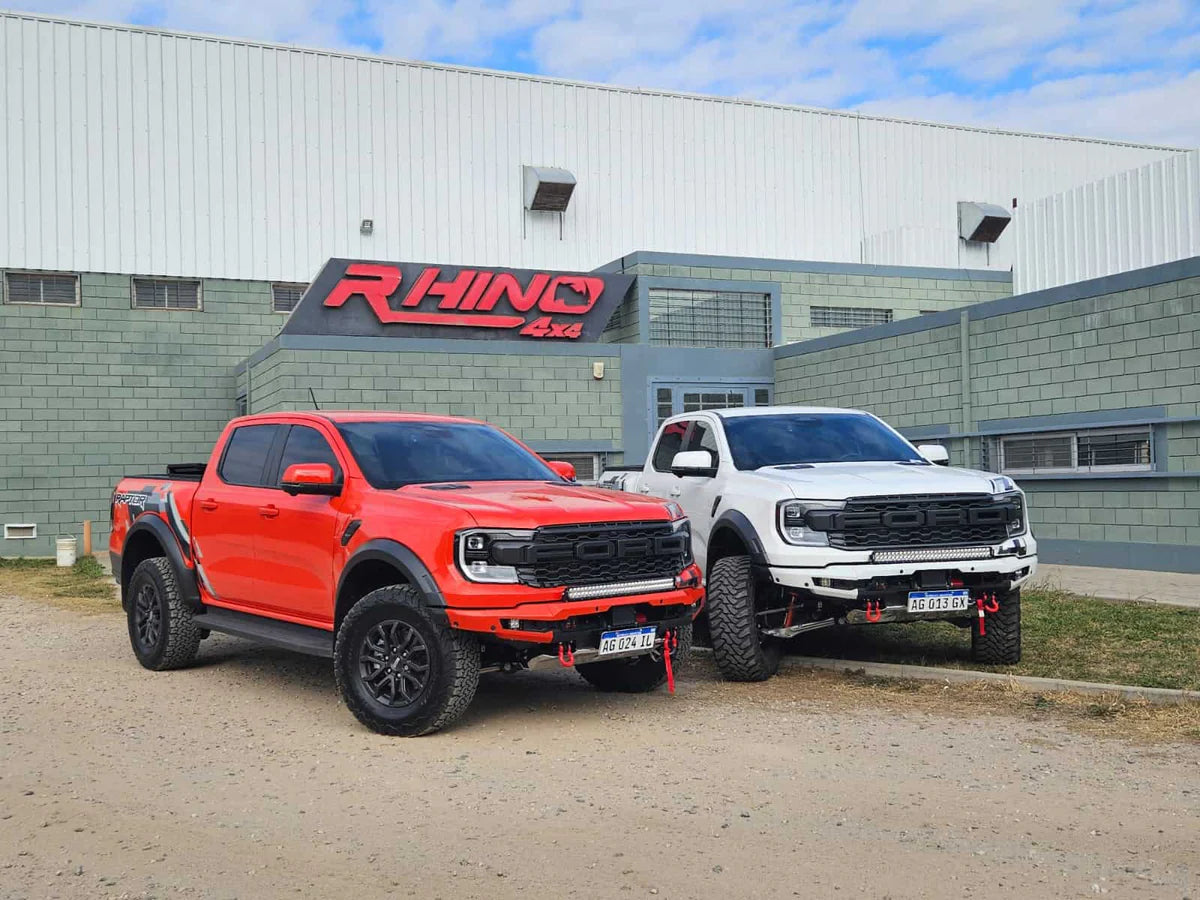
[(1064, 635), (84, 587)]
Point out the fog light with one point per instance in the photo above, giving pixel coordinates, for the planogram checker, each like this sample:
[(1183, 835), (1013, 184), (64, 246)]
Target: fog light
[(514, 624)]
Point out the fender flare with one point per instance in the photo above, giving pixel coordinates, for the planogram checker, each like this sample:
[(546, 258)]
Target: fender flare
[(404, 559), (742, 527), (166, 539)]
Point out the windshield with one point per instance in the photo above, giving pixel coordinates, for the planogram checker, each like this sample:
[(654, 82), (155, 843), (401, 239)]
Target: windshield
[(393, 454), (757, 441)]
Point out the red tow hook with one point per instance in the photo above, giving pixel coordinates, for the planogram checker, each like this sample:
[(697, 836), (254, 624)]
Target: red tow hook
[(874, 611), (566, 655), (669, 642), (987, 604)]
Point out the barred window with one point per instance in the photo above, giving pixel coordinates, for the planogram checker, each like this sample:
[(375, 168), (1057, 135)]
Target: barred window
[(41, 288), (1126, 449), (284, 297), (694, 318), (156, 293), (847, 317), (588, 466), (695, 401)]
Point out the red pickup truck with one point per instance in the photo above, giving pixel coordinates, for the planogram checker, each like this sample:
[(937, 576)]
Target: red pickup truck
[(417, 551)]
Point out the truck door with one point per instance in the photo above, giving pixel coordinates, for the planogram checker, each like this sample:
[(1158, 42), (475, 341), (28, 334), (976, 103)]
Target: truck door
[(226, 518), (698, 495), (657, 480), (298, 536)]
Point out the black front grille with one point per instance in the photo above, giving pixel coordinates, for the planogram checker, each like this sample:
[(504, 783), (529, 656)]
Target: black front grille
[(923, 521), (628, 560)]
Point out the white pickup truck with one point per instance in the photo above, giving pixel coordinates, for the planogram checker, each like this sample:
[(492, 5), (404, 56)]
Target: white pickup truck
[(809, 517)]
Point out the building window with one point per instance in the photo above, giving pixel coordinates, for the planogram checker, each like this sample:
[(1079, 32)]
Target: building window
[(284, 297), (1097, 450), (41, 288), (687, 318), (165, 293), (685, 398), (588, 466), (847, 317)]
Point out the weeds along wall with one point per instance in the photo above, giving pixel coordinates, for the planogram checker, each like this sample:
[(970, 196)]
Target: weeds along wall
[(93, 391), (1116, 354)]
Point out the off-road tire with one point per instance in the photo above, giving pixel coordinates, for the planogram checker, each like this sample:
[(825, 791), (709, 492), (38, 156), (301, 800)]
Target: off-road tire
[(453, 665), (154, 588), (1000, 644), (638, 674), (738, 648)]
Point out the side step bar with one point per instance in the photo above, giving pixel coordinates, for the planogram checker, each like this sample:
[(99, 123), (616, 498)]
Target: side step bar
[(288, 635)]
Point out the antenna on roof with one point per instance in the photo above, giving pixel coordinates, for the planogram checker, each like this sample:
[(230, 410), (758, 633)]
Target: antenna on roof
[(316, 406)]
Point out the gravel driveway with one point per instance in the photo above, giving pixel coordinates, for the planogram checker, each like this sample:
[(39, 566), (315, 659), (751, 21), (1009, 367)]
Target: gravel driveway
[(243, 777)]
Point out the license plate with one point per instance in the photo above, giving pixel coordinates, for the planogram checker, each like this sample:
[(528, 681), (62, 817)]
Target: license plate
[(628, 640), (938, 601)]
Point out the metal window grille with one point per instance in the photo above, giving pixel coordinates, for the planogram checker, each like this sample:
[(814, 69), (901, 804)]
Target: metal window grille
[(587, 465), (762, 396), (1076, 451), (284, 297), (694, 401), (664, 405), (847, 317), (42, 289), (693, 318), (151, 293)]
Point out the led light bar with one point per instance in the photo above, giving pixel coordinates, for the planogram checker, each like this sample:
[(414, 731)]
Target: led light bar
[(620, 588), (935, 554)]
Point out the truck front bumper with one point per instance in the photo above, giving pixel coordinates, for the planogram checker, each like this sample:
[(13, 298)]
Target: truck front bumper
[(849, 581)]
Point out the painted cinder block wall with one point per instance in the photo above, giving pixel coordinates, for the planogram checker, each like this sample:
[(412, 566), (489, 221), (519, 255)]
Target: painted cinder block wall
[(1122, 349), (93, 392)]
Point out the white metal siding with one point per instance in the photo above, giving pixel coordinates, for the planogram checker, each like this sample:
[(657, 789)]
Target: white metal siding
[(129, 150), (1137, 218)]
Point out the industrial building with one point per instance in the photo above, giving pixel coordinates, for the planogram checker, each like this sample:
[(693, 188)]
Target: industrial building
[(168, 199)]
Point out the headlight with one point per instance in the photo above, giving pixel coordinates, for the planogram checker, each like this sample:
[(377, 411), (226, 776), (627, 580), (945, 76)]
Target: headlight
[(795, 525), (1017, 525), (477, 555)]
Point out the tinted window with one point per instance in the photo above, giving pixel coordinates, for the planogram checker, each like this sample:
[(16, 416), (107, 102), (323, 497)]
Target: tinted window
[(670, 443), (246, 454), (702, 438), (756, 441), (307, 445), (393, 454)]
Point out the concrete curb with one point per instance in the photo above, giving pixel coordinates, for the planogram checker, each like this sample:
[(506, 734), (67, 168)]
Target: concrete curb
[(966, 676)]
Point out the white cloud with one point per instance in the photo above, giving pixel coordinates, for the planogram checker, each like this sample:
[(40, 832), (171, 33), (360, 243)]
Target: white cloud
[(1106, 68)]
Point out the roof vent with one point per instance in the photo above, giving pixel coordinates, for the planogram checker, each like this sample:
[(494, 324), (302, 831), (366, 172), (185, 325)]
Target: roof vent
[(981, 222), (548, 190)]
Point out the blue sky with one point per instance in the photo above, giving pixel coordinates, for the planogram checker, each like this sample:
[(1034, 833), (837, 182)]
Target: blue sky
[(1101, 68)]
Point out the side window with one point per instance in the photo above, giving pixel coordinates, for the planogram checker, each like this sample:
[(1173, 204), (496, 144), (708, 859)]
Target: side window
[(307, 445), (246, 454), (703, 438), (669, 444)]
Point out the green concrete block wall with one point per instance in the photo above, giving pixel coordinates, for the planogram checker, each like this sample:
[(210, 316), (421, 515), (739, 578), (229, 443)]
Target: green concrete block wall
[(538, 398), (90, 393)]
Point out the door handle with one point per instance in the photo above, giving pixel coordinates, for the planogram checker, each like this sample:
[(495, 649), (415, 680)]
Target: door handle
[(645, 488), (675, 492), (210, 505), (269, 511)]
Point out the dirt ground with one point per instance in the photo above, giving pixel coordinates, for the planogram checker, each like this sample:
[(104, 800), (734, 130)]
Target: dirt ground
[(244, 777)]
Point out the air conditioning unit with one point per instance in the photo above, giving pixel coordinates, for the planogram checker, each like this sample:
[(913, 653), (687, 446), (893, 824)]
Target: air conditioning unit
[(982, 222), (548, 190)]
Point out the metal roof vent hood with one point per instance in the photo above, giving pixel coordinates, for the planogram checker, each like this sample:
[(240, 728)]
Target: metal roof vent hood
[(548, 190), (981, 221)]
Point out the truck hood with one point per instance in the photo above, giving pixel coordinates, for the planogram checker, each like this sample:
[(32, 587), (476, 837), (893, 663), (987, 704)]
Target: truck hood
[(528, 505), (838, 481)]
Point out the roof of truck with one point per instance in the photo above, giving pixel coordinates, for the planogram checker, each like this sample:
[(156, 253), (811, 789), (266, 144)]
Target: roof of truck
[(365, 415), (782, 410)]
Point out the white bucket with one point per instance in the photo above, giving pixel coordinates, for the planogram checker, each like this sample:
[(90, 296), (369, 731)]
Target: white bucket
[(65, 547)]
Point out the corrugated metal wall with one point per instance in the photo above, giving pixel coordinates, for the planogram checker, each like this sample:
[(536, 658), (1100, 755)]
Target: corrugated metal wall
[(129, 150), (1130, 220)]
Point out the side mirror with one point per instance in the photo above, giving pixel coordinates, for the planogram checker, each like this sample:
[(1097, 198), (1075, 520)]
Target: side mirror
[(698, 463), (935, 453), (564, 470), (310, 478)]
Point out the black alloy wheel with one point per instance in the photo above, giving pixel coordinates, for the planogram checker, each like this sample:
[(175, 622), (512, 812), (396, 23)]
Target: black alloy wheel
[(394, 663), (147, 617)]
